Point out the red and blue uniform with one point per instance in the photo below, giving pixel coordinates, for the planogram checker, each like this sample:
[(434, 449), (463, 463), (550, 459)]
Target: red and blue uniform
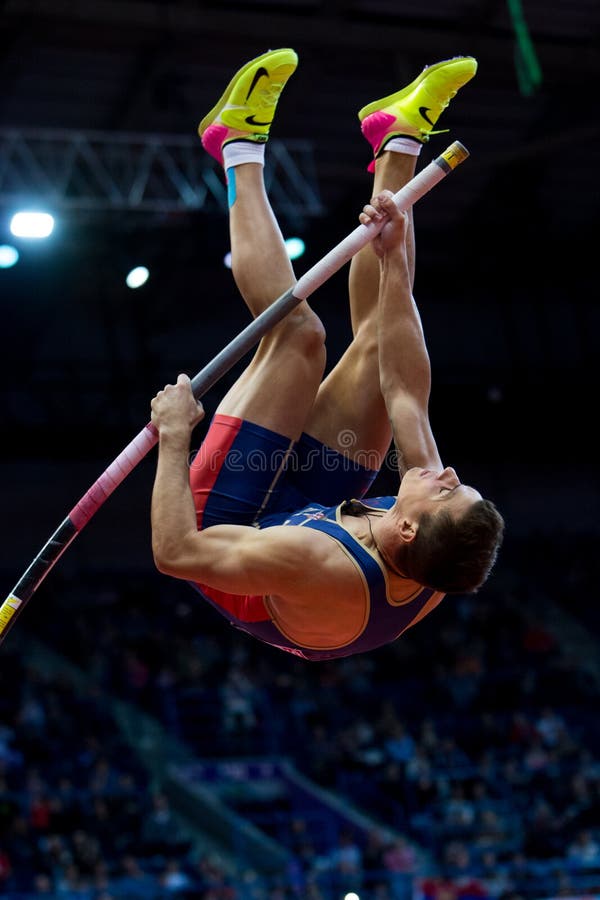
[(245, 474)]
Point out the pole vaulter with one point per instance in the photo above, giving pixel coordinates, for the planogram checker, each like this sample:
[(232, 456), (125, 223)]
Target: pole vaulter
[(147, 438)]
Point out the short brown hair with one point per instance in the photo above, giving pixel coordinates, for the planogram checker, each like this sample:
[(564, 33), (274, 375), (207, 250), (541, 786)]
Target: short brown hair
[(451, 555)]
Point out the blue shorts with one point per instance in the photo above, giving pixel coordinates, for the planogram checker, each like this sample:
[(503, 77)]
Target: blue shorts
[(244, 474)]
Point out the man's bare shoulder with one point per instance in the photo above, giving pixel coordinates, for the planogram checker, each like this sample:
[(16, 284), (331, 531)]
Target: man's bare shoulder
[(313, 559), (318, 546)]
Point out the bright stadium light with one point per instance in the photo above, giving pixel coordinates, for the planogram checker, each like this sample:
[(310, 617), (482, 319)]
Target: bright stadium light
[(32, 224), (351, 896), (295, 247), (9, 255), (137, 277)]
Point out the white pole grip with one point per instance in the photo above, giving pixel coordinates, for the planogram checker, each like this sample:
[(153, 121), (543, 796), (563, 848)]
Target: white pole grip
[(363, 234)]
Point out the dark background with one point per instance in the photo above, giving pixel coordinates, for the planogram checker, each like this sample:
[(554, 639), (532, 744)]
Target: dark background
[(507, 246)]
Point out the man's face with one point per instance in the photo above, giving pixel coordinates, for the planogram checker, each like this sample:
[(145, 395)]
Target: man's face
[(425, 491)]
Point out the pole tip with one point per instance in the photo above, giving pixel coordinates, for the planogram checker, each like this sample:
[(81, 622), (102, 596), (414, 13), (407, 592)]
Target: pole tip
[(454, 154)]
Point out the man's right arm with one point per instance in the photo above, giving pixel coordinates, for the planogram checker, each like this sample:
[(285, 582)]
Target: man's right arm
[(234, 558)]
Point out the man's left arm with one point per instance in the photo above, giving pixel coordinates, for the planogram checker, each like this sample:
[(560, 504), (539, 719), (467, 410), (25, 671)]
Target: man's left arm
[(404, 367)]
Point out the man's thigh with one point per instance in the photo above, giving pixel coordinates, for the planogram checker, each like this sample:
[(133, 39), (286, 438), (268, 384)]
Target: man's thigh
[(278, 388), (349, 413), (325, 475)]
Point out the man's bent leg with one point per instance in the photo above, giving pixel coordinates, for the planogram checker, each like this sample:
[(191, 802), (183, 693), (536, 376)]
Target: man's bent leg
[(349, 413), (277, 389), (349, 402)]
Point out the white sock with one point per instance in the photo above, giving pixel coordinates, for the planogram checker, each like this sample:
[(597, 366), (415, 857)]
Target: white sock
[(238, 152), (403, 145)]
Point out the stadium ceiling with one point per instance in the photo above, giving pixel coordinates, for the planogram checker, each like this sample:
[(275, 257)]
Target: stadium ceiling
[(152, 68), (99, 107)]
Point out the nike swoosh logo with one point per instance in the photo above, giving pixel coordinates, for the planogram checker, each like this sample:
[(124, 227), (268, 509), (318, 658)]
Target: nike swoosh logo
[(423, 110), (252, 121), (260, 73)]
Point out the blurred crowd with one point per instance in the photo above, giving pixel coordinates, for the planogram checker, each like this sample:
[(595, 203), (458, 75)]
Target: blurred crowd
[(473, 738)]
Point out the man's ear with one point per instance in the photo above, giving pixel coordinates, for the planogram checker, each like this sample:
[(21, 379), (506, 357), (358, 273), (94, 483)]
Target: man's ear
[(408, 530)]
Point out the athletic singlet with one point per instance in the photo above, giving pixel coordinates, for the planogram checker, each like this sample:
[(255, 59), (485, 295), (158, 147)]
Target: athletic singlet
[(385, 619)]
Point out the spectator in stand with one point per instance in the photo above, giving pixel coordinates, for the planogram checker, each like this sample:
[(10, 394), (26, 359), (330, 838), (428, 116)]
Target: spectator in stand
[(419, 766), (133, 882), (521, 731), (543, 833), (400, 745), (551, 727), (72, 884), (584, 851), (400, 856), (372, 857), (238, 695), (103, 778), (43, 884), (494, 875), (101, 879), (450, 756), (537, 757), (459, 811), (10, 756), (161, 834), (491, 830), (8, 805), (39, 812), (173, 878), (86, 851), (480, 794), (345, 862), (5, 868)]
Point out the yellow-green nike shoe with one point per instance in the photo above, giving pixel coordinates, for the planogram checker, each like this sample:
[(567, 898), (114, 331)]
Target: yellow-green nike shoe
[(413, 111), (246, 109)]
